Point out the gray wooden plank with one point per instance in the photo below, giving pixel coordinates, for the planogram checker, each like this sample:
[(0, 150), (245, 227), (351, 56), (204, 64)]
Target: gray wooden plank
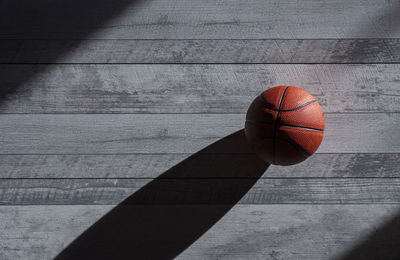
[(303, 232), (246, 232), (201, 51), (152, 165), (178, 133), (192, 88), (255, 19), (199, 191)]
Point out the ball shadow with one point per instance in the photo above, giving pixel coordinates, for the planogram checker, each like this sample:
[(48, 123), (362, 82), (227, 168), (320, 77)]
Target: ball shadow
[(168, 214)]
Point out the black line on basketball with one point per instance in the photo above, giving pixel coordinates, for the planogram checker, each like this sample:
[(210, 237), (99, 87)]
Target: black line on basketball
[(276, 126), (293, 109), (303, 127)]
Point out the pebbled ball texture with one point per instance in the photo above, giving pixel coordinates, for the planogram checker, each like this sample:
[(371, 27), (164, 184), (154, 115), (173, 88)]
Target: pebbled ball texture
[(284, 125)]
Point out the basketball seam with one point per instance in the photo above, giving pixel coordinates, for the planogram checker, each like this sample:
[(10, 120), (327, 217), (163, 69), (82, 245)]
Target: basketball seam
[(263, 101), (288, 125), (276, 126), (290, 110), (294, 145), (303, 127)]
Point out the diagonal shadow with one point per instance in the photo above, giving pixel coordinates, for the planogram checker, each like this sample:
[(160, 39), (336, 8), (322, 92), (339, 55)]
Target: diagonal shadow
[(383, 243), (168, 214), (47, 19), (389, 26)]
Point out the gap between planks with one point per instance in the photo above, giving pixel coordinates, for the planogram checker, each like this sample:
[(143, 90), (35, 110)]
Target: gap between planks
[(148, 166), (194, 89)]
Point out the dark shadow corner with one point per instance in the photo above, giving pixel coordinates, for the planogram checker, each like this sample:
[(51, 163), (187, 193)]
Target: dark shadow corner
[(383, 243), (40, 28), (168, 214), (369, 50)]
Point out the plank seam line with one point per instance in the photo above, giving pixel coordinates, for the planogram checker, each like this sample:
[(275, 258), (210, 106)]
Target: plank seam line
[(175, 153), (203, 178), (259, 122), (200, 63), (203, 204), (198, 39), (187, 113)]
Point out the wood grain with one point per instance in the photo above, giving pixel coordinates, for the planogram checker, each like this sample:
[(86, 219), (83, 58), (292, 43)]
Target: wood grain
[(152, 165), (247, 231), (177, 133), (199, 191), (199, 19), (192, 88), (201, 51), (89, 120), (302, 232)]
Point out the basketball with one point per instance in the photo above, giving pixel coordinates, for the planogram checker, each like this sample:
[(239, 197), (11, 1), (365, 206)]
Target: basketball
[(284, 125)]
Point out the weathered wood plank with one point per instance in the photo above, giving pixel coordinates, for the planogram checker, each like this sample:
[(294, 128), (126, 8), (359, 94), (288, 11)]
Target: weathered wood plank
[(246, 232), (303, 232), (201, 51), (191, 88), (199, 191), (152, 165), (178, 133), (188, 19)]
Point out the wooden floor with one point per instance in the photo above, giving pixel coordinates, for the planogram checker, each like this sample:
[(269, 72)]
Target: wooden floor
[(121, 129)]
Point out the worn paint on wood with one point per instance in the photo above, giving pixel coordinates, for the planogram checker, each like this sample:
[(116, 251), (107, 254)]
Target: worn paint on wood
[(247, 231), (103, 159), (199, 191), (191, 88), (201, 51), (152, 165), (199, 19), (177, 133)]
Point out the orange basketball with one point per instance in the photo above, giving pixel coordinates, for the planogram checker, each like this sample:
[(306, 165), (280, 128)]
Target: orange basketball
[(284, 125)]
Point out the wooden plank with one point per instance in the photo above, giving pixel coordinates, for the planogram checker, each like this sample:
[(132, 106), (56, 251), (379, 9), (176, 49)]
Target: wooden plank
[(152, 165), (199, 19), (178, 133), (246, 232), (201, 51), (191, 88), (304, 232), (199, 191)]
